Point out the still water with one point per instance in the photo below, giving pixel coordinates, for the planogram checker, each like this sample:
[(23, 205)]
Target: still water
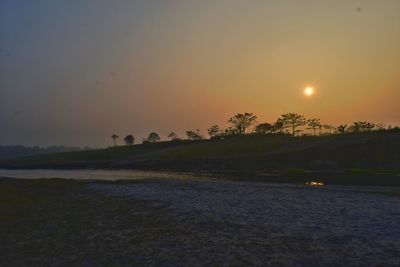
[(91, 174)]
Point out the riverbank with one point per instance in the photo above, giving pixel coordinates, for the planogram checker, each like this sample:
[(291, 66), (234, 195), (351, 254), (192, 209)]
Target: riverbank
[(362, 177), (377, 152)]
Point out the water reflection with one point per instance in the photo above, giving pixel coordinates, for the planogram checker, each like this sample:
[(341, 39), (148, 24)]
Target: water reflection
[(315, 183), (92, 174)]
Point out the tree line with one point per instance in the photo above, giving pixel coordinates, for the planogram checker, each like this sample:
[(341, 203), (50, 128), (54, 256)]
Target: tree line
[(246, 123)]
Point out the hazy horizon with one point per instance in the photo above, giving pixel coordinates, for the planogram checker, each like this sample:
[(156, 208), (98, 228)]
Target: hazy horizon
[(74, 73)]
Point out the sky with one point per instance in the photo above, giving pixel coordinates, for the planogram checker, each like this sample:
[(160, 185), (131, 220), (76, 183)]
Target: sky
[(75, 72)]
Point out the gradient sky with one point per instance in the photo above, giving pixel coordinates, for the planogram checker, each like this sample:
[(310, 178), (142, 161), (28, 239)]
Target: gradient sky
[(75, 72)]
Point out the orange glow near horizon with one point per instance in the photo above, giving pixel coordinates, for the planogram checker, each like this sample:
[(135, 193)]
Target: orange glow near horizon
[(177, 65)]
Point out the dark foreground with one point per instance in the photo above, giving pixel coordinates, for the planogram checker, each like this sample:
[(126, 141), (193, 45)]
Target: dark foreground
[(196, 223)]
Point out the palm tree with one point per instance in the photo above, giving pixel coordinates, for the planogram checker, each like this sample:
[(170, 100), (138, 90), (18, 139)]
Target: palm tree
[(115, 137)]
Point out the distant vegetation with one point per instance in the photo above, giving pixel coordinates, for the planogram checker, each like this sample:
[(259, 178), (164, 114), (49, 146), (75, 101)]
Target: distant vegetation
[(292, 142), (292, 124), (376, 151), (114, 138), (129, 140), (10, 152)]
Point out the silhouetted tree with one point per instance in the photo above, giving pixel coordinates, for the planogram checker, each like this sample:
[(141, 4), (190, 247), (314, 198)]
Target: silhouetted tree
[(341, 128), (361, 126), (194, 135), (369, 126), (328, 127), (278, 126), (298, 132), (230, 131), (242, 121), (355, 127), (380, 126), (214, 131), (314, 124), (263, 128), (153, 137), (293, 121), (129, 140), (114, 138), (173, 136)]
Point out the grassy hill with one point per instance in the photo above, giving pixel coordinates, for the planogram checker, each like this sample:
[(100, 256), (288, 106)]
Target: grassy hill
[(378, 150)]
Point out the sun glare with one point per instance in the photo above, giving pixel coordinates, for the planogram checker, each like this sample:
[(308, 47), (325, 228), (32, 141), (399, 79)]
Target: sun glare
[(309, 91)]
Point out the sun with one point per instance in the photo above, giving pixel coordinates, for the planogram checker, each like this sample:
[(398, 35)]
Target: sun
[(309, 91)]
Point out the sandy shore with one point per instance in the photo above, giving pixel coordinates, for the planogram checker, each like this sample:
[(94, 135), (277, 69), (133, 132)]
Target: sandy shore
[(201, 222)]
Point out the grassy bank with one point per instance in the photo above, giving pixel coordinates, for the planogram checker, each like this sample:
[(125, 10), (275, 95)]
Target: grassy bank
[(253, 153)]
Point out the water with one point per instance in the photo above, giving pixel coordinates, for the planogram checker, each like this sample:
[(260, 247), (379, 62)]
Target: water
[(110, 175), (113, 175)]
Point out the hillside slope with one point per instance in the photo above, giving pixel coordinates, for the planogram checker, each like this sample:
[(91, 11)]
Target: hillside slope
[(377, 150)]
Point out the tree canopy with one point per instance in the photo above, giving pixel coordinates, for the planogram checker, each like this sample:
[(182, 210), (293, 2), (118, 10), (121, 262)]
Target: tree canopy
[(293, 121), (242, 121), (214, 131), (129, 140), (153, 137), (314, 124), (194, 135), (341, 128), (361, 126), (288, 123), (263, 128), (173, 136)]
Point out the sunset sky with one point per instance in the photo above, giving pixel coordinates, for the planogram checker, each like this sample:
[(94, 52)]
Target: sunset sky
[(75, 72)]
